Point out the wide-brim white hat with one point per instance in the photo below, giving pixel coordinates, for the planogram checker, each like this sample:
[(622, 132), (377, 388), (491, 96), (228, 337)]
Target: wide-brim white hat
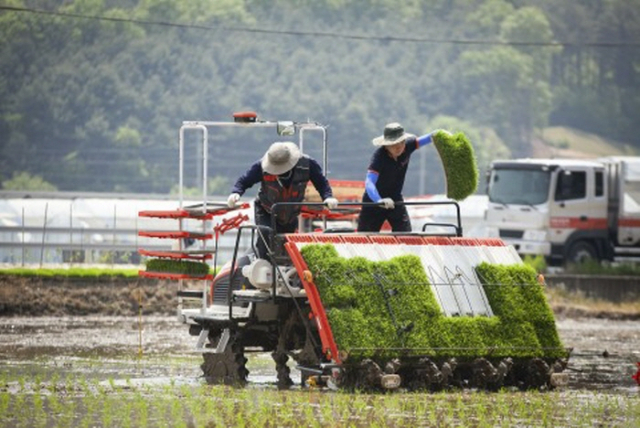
[(280, 158), (393, 134)]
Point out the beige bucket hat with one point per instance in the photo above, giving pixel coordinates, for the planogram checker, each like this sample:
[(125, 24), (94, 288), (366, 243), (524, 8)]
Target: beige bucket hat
[(393, 133), (280, 158)]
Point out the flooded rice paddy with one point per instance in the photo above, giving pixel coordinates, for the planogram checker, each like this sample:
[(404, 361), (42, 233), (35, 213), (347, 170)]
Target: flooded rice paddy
[(60, 361), (604, 352)]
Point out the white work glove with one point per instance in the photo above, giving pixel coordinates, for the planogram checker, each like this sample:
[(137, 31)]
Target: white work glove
[(331, 203), (232, 199), (387, 203)]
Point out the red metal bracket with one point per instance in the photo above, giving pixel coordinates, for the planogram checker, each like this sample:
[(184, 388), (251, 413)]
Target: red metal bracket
[(343, 214), (329, 346), (230, 223)]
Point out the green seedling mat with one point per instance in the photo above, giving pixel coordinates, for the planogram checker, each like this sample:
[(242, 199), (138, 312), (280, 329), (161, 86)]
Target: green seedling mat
[(185, 267), (389, 306), (459, 163)]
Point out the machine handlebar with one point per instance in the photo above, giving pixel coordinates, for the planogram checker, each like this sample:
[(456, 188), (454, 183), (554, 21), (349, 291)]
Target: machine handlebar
[(457, 227)]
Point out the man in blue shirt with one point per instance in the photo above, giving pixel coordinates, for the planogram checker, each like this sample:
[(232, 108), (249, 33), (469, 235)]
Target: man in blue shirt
[(385, 179), (283, 173)]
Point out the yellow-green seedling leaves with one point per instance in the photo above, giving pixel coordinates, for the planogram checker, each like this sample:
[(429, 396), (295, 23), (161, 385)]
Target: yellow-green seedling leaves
[(459, 164)]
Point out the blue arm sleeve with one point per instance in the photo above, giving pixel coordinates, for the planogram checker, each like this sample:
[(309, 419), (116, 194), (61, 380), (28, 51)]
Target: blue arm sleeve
[(370, 186), (425, 139)]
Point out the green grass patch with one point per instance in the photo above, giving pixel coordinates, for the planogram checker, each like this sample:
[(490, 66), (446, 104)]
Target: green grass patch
[(587, 267), (538, 263), (378, 306), (594, 267), (75, 272), (459, 163)]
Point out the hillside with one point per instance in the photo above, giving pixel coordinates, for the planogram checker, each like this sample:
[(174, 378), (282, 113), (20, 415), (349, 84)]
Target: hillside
[(93, 92), (564, 142)]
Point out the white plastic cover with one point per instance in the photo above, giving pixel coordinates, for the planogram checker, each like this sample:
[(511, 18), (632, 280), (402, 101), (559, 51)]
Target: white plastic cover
[(449, 268)]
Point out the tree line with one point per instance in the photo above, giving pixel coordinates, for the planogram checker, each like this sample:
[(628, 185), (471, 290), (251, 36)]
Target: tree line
[(93, 92)]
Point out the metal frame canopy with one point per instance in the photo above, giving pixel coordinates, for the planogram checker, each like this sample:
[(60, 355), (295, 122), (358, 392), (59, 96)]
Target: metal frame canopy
[(246, 120)]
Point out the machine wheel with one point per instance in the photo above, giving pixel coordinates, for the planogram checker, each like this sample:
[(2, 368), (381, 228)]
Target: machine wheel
[(307, 357), (537, 375), (292, 337), (581, 251), (228, 367), (424, 376), (365, 376), (280, 354)]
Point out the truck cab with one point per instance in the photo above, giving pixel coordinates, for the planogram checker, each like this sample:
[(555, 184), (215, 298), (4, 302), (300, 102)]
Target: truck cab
[(553, 207)]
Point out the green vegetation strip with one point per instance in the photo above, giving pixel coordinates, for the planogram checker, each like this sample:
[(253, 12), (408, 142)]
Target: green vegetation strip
[(459, 163), (71, 272), (593, 267), (588, 267), (377, 306)]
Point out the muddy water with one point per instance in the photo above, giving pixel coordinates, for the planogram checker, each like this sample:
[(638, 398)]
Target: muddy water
[(148, 350), (605, 353), (156, 349)]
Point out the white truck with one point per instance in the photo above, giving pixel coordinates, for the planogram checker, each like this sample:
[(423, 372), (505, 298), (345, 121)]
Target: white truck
[(567, 210)]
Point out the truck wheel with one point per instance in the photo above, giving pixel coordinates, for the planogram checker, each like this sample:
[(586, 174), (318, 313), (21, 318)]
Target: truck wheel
[(581, 251)]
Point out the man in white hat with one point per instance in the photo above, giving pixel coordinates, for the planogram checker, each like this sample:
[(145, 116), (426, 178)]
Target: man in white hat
[(283, 173), (385, 179)]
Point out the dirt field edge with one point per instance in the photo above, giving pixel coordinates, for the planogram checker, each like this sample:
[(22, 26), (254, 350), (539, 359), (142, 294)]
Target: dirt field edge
[(62, 296)]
